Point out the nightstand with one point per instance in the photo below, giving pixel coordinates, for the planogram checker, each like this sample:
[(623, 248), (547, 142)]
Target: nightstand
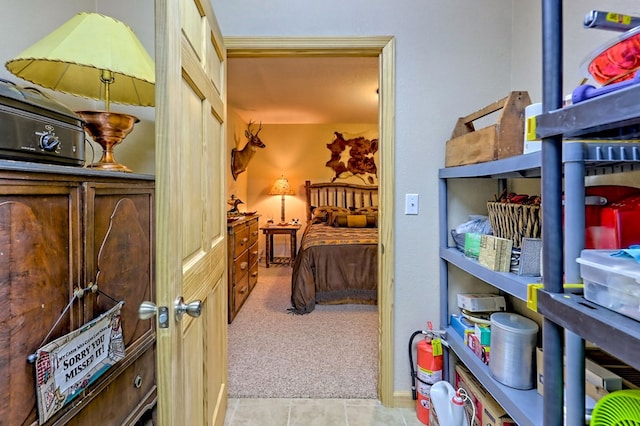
[(270, 231)]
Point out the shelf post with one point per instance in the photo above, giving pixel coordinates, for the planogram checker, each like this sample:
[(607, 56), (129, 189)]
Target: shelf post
[(443, 220), (574, 208), (552, 239)]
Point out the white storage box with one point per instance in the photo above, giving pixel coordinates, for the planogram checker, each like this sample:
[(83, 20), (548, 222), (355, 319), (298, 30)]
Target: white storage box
[(611, 281), (481, 302)]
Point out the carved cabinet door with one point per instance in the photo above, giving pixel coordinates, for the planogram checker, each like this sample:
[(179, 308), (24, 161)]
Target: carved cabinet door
[(119, 266), (39, 268)]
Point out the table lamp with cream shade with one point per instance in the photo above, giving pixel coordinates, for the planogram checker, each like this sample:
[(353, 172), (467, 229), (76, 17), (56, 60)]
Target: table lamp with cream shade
[(96, 57), (281, 187)]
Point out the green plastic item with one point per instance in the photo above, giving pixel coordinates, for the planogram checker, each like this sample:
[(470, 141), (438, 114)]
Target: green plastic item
[(472, 244), (619, 408)]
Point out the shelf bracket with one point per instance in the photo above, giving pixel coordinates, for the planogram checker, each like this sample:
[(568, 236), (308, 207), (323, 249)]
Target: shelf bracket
[(532, 296), (532, 293)]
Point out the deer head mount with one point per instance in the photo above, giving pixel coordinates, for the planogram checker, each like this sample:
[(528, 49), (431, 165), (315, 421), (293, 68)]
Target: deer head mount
[(240, 157)]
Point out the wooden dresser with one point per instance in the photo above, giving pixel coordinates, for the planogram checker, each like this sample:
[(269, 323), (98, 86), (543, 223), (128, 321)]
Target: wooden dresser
[(63, 229), (242, 261)]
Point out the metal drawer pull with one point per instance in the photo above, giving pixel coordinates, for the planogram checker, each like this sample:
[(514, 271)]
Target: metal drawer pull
[(137, 382)]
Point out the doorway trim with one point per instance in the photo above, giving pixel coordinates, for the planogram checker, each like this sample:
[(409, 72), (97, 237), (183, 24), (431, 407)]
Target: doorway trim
[(382, 47)]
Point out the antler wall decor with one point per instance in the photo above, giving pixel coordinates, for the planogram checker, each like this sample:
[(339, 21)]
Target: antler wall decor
[(240, 157)]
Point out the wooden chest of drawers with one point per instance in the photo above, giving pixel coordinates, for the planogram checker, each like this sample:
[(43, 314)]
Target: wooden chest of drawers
[(242, 261)]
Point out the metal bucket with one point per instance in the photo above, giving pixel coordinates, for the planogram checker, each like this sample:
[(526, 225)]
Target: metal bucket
[(513, 343)]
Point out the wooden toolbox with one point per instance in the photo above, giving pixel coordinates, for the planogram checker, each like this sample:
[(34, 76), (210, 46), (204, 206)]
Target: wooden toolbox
[(501, 140)]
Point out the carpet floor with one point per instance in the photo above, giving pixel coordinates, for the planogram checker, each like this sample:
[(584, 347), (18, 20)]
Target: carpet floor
[(329, 353)]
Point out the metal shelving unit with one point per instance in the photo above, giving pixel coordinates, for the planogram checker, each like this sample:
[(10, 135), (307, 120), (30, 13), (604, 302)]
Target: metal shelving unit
[(573, 312), (525, 407), (562, 167), (614, 116)]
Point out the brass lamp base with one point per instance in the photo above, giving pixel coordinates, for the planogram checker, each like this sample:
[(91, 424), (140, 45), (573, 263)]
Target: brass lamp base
[(108, 129)]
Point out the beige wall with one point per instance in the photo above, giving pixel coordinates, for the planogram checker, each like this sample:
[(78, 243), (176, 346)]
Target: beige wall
[(298, 152), (20, 27)]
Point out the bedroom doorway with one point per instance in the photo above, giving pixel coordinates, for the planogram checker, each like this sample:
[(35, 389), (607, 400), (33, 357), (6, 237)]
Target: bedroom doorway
[(384, 49)]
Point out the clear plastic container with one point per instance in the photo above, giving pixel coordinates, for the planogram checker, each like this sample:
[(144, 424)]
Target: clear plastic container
[(611, 281)]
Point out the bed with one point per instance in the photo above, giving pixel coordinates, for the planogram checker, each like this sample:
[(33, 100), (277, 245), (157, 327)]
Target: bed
[(338, 258)]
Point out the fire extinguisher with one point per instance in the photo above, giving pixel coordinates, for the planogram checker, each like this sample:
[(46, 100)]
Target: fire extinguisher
[(429, 369)]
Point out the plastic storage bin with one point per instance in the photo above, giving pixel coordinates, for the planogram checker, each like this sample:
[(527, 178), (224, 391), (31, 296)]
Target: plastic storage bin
[(611, 281)]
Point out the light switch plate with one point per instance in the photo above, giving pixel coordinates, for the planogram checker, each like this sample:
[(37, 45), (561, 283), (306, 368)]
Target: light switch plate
[(411, 204)]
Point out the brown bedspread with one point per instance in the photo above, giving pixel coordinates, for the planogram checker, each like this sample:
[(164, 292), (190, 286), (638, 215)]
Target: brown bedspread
[(335, 266)]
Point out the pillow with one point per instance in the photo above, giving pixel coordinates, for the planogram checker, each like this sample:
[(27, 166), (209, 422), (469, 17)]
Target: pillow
[(355, 221), (321, 214), (366, 210)]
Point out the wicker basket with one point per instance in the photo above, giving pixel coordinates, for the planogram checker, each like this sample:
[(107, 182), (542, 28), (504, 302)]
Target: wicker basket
[(515, 221)]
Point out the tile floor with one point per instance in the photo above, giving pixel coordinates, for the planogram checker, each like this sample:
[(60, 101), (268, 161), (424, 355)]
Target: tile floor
[(316, 412)]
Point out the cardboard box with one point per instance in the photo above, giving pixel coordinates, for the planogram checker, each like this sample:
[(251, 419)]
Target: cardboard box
[(468, 333), (601, 377), (481, 351), (483, 332), (481, 302), (539, 371), (495, 253), (594, 391), (598, 380), (501, 140), (488, 411)]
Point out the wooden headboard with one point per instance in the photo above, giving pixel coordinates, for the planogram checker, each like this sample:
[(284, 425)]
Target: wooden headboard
[(339, 194)]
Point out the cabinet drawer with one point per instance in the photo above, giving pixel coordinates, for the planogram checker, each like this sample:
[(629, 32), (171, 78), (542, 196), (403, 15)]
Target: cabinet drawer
[(241, 265), (241, 240), (123, 401), (253, 275), (254, 232), (254, 251), (240, 292)]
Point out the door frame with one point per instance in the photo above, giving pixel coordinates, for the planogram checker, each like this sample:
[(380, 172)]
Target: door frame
[(382, 47)]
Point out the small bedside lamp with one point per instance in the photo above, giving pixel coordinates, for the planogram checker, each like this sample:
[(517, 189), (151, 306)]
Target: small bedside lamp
[(96, 57), (281, 187)]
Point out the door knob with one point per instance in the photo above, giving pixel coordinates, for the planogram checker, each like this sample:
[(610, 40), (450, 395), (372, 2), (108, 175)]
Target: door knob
[(193, 309), (148, 310)]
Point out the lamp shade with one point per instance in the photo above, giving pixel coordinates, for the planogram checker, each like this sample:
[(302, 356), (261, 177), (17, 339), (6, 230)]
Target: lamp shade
[(72, 59), (281, 187)]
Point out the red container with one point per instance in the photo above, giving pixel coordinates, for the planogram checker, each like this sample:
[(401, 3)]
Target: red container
[(621, 221), (616, 224)]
